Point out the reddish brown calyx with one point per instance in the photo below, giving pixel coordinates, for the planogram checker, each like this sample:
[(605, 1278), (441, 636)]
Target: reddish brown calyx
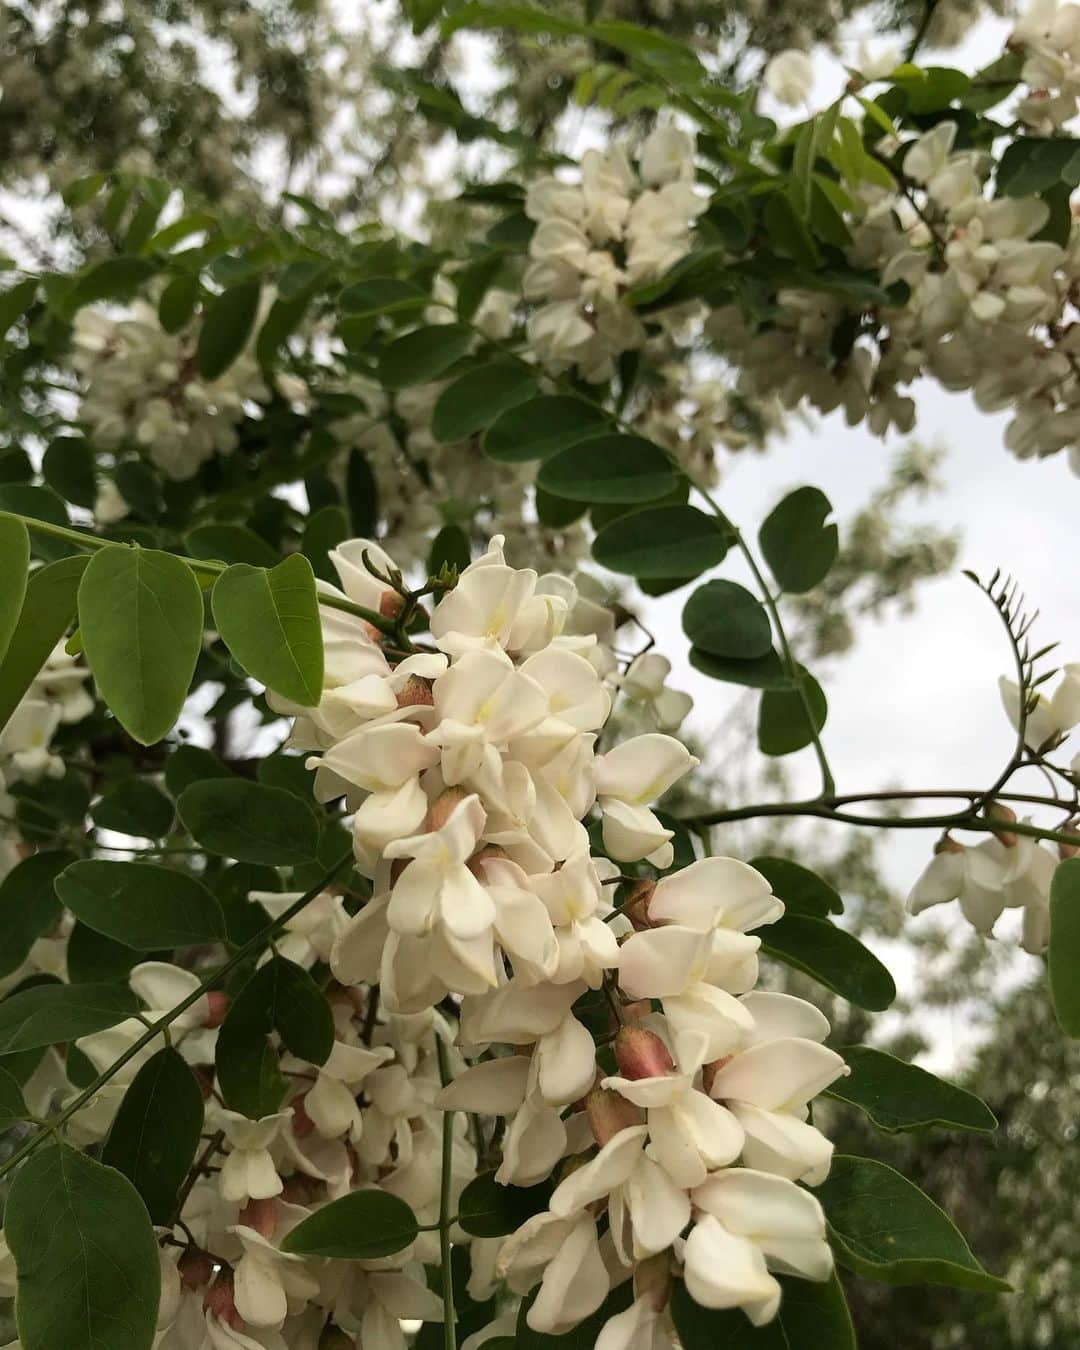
[(641, 1053)]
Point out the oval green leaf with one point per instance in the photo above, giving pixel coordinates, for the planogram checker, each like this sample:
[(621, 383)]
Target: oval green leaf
[(141, 617), (228, 322), (12, 1105), (661, 542), (269, 620), (15, 552), (489, 1209), (1063, 955), (613, 468), (832, 957), (28, 905), (48, 1014), (783, 724), (231, 544), (723, 619), (85, 1255), (802, 891), (141, 904), (899, 1096), (764, 672), (361, 1226), (249, 822), (477, 398), (882, 1226), (797, 543), (542, 427), (135, 807), (812, 1316), (423, 355)]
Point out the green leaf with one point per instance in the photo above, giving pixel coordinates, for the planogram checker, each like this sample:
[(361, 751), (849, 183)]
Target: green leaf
[(249, 822), (361, 1226), (85, 1254), (423, 355), (812, 1316), (68, 468), (279, 997), (231, 544), (228, 322), (555, 513), (763, 672), (47, 1014), (12, 1105), (141, 904), (477, 398), (325, 530), (39, 503), (28, 906), (900, 1096), (542, 427), (585, 1335), (15, 551), (1031, 165), (449, 548), (832, 957), (190, 764), (662, 542), (724, 619), (112, 279), (488, 1209), (797, 543), (177, 303), (93, 958), (382, 295), (802, 891), (883, 1227), (83, 189), (783, 724), (1064, 953), (15, 301), (155, 1133), (269, 620), (612, 468), (361, 494), (47, 610), (141, 618), (135, 807)]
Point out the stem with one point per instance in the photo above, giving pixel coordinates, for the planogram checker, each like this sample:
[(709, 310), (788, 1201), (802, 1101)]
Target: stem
[(242, 953), (207, 567), (920, 32), (449, 1316)]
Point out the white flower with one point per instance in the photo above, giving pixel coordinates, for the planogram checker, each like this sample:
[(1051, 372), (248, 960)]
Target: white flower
[(1052, 717), (267, 1281), (249, 1171), (627, 778), (562, 1253), (789, 77)]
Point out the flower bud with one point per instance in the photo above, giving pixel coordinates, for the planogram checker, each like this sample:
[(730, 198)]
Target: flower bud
[(261, 1215), (391, 604), (442, 808), (196, 1268), (1069, 850), (219, 1006), (636, 905), (489, 853), (220, 1299), (609, 1113), (302, 1124), (946, 844), (998, 811), (641, 1053), (415, 693)]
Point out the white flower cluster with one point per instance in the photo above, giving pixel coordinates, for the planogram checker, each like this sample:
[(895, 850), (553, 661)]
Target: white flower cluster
[(989, 310), (1048, 35), (143, 390), (1008, 870), (594, 240)]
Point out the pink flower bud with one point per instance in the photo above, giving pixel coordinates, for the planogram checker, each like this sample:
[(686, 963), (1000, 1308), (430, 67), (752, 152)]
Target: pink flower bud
[(219, 1006), (609, 1113), (220, 1300), (636, 906), (999, 811), (442, 808), (302, 1124), (196, 1268), (488, 853), (415, 693), (261, 1215), (641, 1053), (946, 844)]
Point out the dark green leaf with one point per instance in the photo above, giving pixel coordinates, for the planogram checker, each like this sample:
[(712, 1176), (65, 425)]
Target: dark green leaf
[(812, 1316), (12, 1106), (834, 958), (488, 1209), (899, 1096), (68, 468), (324, 530), (85, 1253), (662, 541), (556, 512), (724, 619), (14, 574), (141, 617), (269, 620), (177, 303), (141, 904), (361, 1226), (783, 724), (227, 325), (154, 1136), (477, 398), (39, 503), (15, 301), (449, 548), (612, 468), (764, 672), (28, 906), (48, 1014), (797, 543), (249, 822), (885, 1228), (83, 189), (802, 891), (93, 958), (1064, 953), (47, 610), (584, 1336), (542, 427), (382, 295), (190, 764), (135, 807), (361, 494), (109, 280), (230, 544), (423, 355)]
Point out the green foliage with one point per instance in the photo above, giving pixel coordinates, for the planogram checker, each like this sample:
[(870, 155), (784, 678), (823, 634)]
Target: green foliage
[(1064, 953), (476, 399), (47, 611), (423, 355), (541, 427), (798, 544), (785, 724), (802, 891), (249, 821), (617, 468), (361, 1226), (811, 1315), (28, 906), (899, 1096), (832, 957), (488, 1208), (134, 807), (661, 542), (47, 1014), (140, 904), (227, 325), (723, 619)]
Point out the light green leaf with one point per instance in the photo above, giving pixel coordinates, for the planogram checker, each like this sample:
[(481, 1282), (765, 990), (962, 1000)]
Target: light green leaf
[(613, 468), (361, 1226), (477, 398), (725, 620), (249, 822), (228, 322), (14, 574), (141, 904), (832, 957), (900, 1096), (48, 1014), (542, 427), (662, 542), (883, 1227), (141, 618), (1064, 953), (269, 620), (423, 355), (797, 543), (812, 1316), (85, 1254)]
